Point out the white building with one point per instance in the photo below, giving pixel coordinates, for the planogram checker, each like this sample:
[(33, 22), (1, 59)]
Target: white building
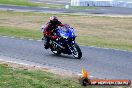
[(115, 3)]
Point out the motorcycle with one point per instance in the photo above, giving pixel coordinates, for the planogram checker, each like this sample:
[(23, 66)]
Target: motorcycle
[(65, 43)]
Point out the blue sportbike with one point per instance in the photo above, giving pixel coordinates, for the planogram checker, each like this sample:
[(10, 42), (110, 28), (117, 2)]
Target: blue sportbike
[(65, 43)]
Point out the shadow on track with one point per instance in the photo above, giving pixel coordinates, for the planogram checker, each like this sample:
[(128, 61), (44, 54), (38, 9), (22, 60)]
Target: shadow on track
[(63, 56)]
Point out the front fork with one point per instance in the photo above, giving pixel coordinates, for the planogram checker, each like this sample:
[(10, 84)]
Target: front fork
[(71, 47)]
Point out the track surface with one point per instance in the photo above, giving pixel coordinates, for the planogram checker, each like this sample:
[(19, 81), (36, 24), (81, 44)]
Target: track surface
[(99, 62)]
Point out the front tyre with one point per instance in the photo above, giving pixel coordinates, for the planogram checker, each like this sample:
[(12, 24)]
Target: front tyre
[(77, 53)]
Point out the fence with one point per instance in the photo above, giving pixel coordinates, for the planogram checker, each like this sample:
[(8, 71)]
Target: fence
[(101, 3)]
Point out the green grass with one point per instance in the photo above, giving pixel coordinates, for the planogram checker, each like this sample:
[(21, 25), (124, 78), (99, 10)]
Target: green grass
[(19, 32), (16, 78), (18, 2), (19, 78), (27, 3)]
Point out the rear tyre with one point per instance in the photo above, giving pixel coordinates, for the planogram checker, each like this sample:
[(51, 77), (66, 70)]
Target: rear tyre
[(77, 53)]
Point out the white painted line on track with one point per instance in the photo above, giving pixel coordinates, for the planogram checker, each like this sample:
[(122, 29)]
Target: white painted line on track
[(36, 66), (4, 36), (21, 62), (31, 39), (44, 7), (39, 40), (21, 38), (60, 71), (14, 62), (12, 37)]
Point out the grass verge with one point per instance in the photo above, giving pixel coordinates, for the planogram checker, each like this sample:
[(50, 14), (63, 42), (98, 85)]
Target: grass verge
[(18, 78), (100, 31), (19, 32), (18, 2), (28, 3), (13, 76)]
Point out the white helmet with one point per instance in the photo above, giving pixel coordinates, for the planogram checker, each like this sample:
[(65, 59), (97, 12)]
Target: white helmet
[(53, 18)]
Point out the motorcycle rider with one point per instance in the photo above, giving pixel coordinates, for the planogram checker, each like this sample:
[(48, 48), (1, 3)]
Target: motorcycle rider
[(49, 30)]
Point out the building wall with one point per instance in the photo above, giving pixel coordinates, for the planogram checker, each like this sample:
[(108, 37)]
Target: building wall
[(114, 3)]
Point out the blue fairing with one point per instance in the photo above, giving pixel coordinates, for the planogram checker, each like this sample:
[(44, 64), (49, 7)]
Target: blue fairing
[(66, 32)]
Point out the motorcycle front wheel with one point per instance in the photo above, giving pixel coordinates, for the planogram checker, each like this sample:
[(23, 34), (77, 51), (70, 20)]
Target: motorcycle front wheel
[(77, 53)]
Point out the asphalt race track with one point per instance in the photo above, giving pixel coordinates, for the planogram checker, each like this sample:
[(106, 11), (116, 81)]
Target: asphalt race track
[(99, 62)]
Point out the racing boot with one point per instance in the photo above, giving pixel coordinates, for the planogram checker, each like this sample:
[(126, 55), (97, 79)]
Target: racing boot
[(46, 43)]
